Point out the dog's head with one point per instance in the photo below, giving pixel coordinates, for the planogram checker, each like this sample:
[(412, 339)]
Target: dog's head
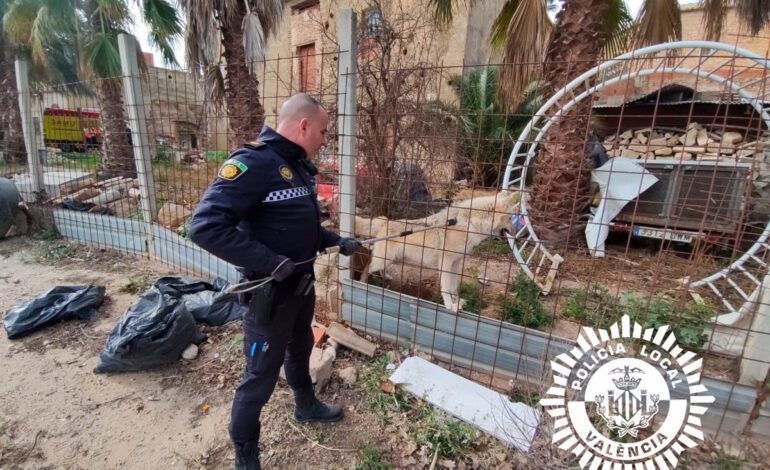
[(506, 204)]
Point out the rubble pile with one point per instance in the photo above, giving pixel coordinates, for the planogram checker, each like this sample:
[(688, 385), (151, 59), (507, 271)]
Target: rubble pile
[(695, 143), (118, 196)]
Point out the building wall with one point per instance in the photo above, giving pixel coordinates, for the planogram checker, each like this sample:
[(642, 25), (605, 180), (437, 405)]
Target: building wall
[(462, 42), (733, 33)]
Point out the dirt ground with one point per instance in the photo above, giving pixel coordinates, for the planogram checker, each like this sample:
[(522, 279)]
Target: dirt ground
[(56, 413)]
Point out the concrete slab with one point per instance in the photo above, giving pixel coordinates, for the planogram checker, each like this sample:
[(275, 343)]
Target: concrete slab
[(53, 178)]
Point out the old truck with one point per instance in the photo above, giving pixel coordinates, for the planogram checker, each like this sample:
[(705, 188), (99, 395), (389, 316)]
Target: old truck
[(71, 129)]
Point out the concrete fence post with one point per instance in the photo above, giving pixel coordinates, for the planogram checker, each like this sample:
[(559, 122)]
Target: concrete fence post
[(132, 92), (30, 135), (347, 125)]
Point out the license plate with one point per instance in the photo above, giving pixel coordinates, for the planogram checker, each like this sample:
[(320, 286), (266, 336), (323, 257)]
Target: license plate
[(663, 234)]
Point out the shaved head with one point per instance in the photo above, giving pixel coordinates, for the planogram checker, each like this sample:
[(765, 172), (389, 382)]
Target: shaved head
[(303, 121), (298, 107)]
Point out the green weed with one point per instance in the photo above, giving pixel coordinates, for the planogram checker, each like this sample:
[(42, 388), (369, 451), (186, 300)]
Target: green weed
[(593, 306), (473, 296), (136, 285), (378, 401), (523, 307), (372, 458), (492, 247), (446, 436), (688, 324)]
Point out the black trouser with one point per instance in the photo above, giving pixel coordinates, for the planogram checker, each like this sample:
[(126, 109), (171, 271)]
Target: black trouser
[(287, 339)]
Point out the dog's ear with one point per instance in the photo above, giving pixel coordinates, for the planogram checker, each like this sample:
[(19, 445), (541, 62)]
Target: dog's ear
[(510, 196)]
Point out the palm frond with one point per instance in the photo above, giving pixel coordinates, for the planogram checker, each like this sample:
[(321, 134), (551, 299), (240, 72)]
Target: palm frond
[(232, 12), (203, 39), (443, 11), (270, 13), (18, 20), (526, 43), (115, 12), (214, 82), (618, 24), (253, 40), (43, 33), (102, 56), (754, 13), (659, 21), (499, 32), (715, 11), (165, 26)]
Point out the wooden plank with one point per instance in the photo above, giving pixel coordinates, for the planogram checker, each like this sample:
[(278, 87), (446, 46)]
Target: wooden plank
[(348, 338)]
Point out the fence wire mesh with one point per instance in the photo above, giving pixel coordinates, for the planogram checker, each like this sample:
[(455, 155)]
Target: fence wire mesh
[(521, 250)]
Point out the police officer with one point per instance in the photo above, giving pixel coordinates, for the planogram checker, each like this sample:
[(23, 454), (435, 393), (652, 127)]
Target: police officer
[(261, 214)]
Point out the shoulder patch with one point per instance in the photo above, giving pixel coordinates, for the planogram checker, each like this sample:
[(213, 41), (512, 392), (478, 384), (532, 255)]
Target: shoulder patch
[(286, 173), (232, 169)]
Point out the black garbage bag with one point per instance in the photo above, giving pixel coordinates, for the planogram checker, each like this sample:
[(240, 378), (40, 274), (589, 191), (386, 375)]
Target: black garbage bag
[(207, 302), (153, 332), (75, 205), (59, 303)]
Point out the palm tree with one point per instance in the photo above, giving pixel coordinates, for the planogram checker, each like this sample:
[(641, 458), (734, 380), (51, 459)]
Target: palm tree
[(583, 31), (10, 120), (488, 131), (91, 29), (225, 41)]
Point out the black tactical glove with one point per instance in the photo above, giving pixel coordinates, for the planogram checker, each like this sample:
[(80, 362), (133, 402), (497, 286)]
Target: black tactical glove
[(284, 269), (348, 245)]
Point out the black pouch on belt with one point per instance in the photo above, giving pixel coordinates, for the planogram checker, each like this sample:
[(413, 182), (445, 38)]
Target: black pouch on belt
[(261, 303), (304, 285)]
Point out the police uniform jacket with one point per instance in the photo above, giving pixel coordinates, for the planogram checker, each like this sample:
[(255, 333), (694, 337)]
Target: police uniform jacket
[(261, 208)]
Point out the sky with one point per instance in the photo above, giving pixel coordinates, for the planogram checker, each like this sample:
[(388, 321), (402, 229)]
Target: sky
[(139, 30)]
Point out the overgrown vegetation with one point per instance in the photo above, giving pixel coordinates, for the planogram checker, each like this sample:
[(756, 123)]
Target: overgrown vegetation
[(523, 307), (530, 398), (137, 284), (596, 307), (374, 381), (593, 306), (488, 132), (492, 247), (163, 154), (216, 156), (473, 296), (687, 323), (372, 458), (86, 161), (445, 437)]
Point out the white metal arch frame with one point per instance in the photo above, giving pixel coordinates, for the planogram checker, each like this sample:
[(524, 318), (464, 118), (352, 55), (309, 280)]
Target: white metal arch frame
[(532, 256)]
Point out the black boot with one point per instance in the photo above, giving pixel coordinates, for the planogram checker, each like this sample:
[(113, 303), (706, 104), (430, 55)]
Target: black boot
[(309, 408), (247, 456)]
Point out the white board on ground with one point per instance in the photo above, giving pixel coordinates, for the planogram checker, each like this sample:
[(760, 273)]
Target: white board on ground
[(488, 410)]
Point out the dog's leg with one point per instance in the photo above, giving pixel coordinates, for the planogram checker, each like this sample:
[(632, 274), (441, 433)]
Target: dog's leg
[(450, 281)]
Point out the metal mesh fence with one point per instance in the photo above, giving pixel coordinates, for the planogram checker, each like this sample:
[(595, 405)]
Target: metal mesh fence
[(660, 160)]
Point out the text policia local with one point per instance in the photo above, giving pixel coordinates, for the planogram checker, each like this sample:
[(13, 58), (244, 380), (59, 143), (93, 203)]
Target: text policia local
[(649, 353)]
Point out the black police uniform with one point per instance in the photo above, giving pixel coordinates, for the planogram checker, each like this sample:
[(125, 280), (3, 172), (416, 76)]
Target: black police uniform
[(262, 208)]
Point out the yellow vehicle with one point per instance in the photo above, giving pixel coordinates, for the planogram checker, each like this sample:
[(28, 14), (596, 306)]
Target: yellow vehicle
[(70, 129)]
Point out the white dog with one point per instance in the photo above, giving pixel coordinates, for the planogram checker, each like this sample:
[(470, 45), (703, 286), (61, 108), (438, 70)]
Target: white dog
[(444, 248)]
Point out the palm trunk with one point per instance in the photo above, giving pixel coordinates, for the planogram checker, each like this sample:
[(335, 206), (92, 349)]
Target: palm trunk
[(118, 155), (244, 108), (561, 186), (10, 119)]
